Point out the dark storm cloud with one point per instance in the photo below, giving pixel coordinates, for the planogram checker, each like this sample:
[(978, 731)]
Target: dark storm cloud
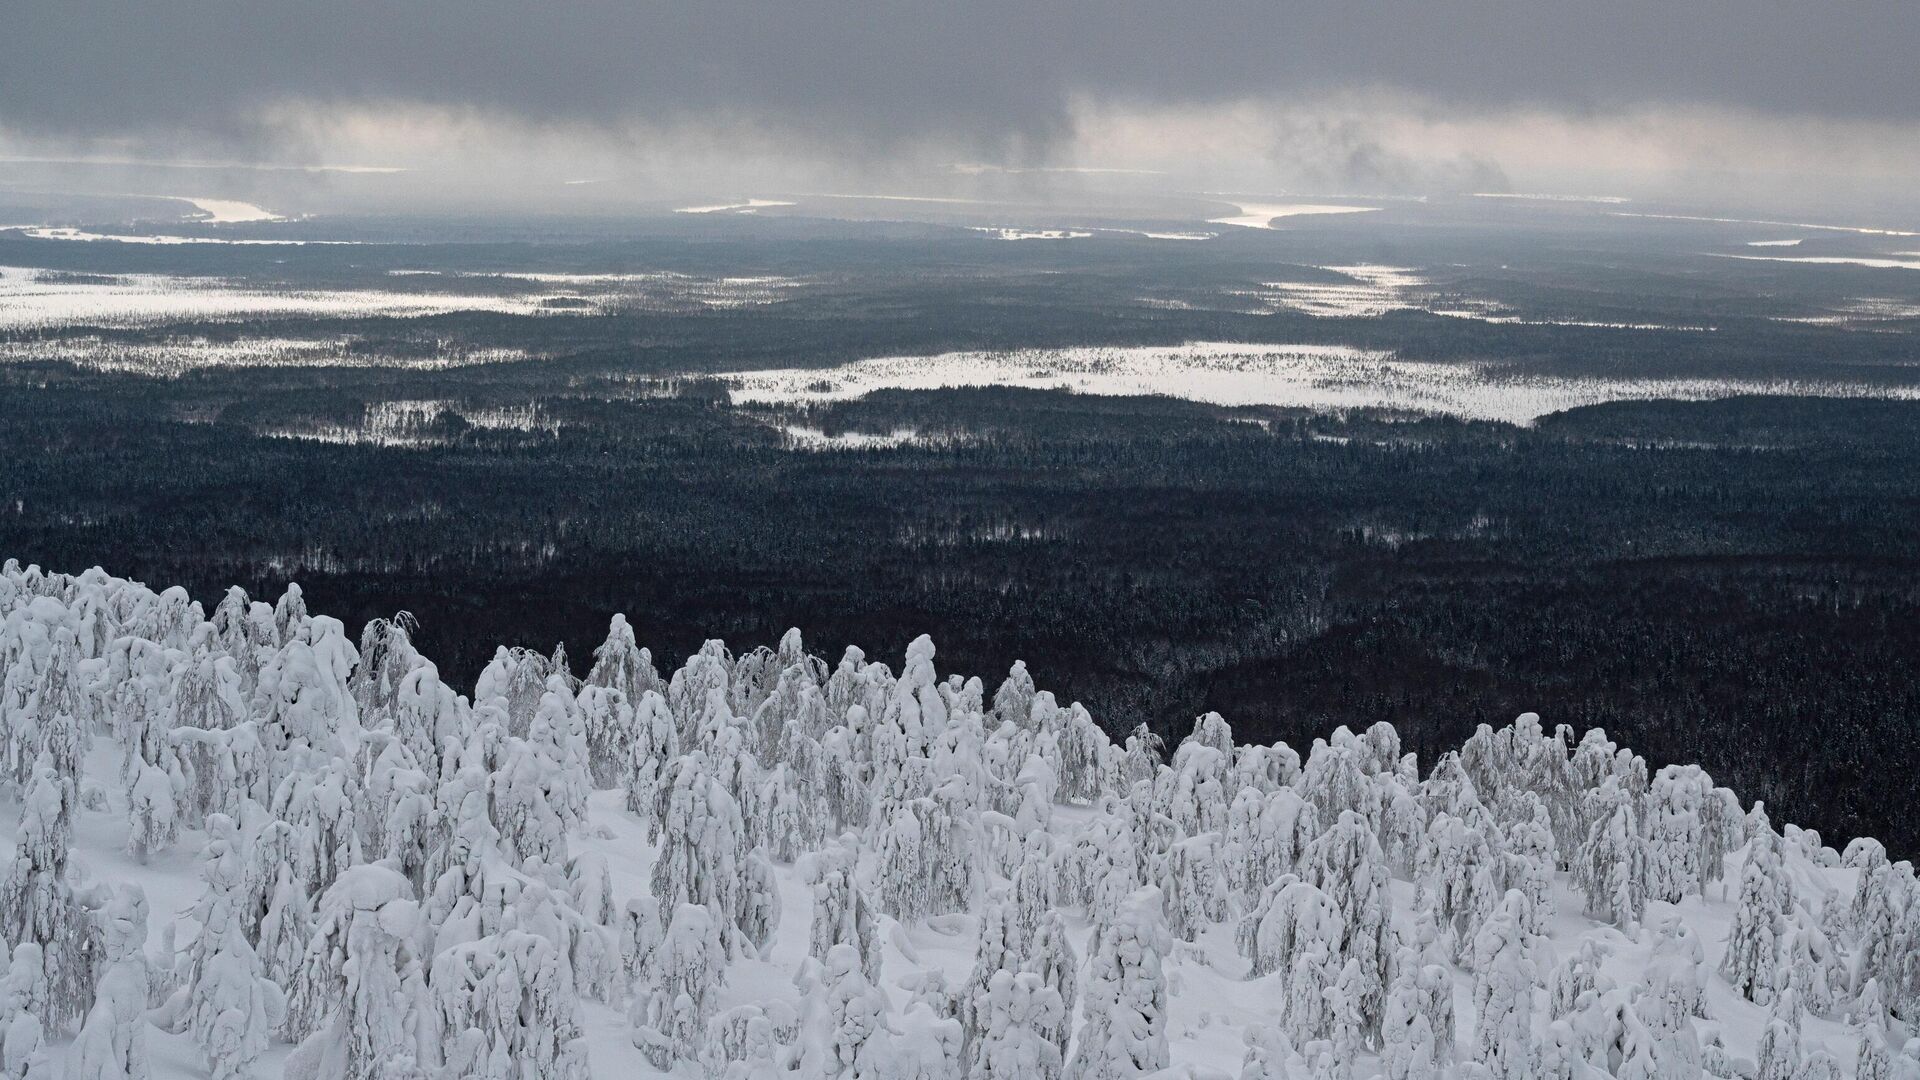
[(994, 77)]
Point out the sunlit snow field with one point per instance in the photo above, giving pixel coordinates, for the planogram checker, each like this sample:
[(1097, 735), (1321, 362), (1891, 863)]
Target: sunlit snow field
[(1303, 376)]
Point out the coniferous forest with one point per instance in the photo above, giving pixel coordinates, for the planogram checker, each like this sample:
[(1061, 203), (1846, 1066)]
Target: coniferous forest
[(1451, 647)]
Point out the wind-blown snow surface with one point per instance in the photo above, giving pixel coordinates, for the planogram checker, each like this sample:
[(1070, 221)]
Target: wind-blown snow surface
[(1303, 376), (247, 832)]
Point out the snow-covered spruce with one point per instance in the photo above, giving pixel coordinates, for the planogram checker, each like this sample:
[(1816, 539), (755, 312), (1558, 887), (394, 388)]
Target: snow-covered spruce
[(764, 866)]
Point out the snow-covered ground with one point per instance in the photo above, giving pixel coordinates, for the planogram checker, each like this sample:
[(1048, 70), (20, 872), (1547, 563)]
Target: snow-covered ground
[(180, 355), (247, 833), (746, 207), (1863, 230), (1610, 200), (43, 299), (1007, 233), (1898, 260), (229, 211), (1262, 215), (40, 299), (1304, 376), (163, 239)]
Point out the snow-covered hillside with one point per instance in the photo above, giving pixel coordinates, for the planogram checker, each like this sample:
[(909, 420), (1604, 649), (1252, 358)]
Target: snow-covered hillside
[(244, 846)]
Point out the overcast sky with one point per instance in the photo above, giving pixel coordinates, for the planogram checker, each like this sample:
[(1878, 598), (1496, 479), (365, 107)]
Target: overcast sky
[(1362, 93)]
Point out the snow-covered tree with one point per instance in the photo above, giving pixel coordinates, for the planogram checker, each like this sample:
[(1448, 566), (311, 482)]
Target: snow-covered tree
[(1527, 856), (1266, 836), (505, 1007), (928, 859), (427, 715), (151, 825), (621, 665), (998, 951), (1676, 832), (1336, 782), (703, 840), (1504, 979), (274, 907), (302, 696), (1013, 702), (1611, 866), (1125, 998), (356, 999), (24, 1053), (38, 904), (232, 1007), (846, 1031), (842, 914), (678, 988), (1778, 1055), (1460, 879), (1018, 1011), (1195, 885), (745, 1042), (1346, 863), (654, 742), (1416, 1031), (1290, 918), (1752, 960), (1050, 955), (758, 915), (112, 1044), (607, 719)]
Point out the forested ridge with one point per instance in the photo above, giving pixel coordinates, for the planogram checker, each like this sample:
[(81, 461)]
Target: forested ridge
[(768, 864)]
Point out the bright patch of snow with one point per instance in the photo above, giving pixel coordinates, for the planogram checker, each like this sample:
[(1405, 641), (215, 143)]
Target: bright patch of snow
[(1861, 229), (39, 299), (801, 437), (411, 423), (179, 356), (1372, 290), (1262, 215), (1606, 199), (230, 211), (1029, 234), (1327, 377), (1831, 260), (736, 207), (652, 289), (1773, 243), (52, 233)]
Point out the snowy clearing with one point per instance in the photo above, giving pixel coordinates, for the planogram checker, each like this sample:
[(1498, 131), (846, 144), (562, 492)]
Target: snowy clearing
[(33, 298), (244, 843), (1863, 230), (1610, 200), (1887, 263), (40, 299), (1326, 377), (163, 239), (747, 207), (230, 211), (178, 356), (1262, 215), (1000, 233)]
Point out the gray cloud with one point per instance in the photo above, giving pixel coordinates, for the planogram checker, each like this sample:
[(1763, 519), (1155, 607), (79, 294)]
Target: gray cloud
[(995, 79)]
